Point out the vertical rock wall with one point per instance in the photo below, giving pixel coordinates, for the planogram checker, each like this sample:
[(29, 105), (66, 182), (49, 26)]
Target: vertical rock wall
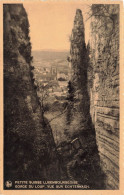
[(27, 138), (103, 84), (81, 124), (79, 63), (96, 82)]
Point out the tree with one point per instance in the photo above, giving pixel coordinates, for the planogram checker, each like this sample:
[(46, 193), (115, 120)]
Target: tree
[(70, 98), (70, 92), (104, 17), (44, 95)]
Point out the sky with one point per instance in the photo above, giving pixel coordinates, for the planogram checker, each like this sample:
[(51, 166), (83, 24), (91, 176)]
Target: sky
[(51, 24)]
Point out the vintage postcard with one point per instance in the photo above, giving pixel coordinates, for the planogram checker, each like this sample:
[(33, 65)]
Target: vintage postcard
[(61, 91)]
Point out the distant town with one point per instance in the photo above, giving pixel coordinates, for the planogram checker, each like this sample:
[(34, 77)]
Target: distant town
[(55, 74)]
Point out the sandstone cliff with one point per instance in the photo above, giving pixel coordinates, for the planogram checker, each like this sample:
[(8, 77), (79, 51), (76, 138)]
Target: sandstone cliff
[(95, 78), (29, 142), (79, 64), (93, 114), (81, 124), (103, 75)]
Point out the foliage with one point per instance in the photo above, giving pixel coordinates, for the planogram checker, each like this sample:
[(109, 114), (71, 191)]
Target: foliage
[(70, 91), (61, 79), (105, 16)]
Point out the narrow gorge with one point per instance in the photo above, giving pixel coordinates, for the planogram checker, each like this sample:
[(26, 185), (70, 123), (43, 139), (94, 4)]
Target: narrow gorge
[(88, 151)]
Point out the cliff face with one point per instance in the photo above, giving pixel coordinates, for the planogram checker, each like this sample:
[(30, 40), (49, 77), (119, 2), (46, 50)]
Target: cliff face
[(95, 78), (93, 114), (79, 62), (28, 137), (81, 123), (103, 75)]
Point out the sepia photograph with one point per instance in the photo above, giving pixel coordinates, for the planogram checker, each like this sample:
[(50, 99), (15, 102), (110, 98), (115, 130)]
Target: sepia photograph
[(61, 83)]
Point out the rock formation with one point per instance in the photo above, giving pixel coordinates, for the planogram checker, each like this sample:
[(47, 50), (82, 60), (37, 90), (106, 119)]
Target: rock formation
[(94, 104), (103, 83), (79, 62), (95, 78), (29, 145), (81, 120)]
